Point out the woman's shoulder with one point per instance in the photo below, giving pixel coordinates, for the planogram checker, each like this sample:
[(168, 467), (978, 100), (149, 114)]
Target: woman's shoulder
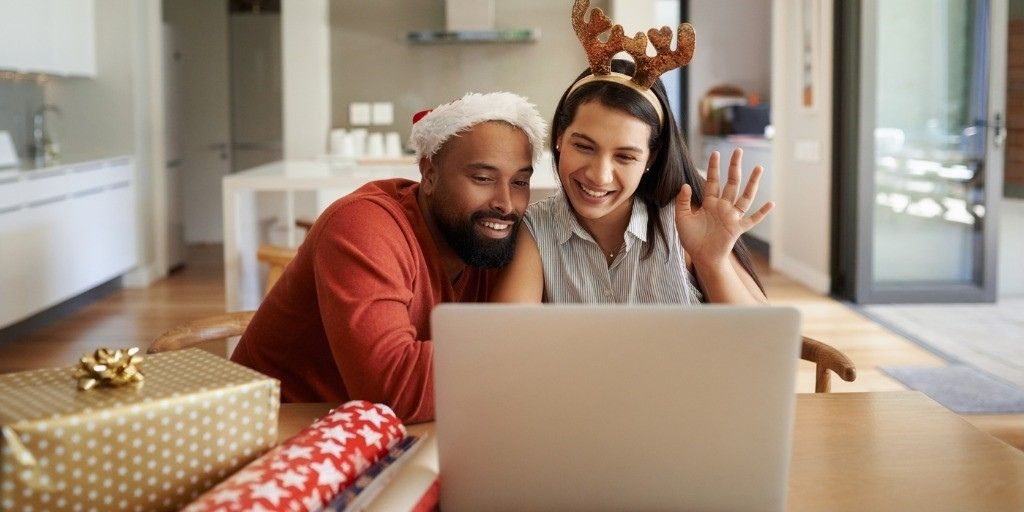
[(540, 216)]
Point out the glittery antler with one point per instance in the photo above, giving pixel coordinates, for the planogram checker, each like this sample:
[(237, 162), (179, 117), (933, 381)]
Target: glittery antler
[(648, 69), (600, 54)]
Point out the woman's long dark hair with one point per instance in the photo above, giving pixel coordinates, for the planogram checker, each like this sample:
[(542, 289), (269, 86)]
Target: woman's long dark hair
[(670, 167)]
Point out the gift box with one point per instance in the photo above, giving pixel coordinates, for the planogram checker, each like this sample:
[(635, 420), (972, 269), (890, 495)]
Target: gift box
[(194, 419)]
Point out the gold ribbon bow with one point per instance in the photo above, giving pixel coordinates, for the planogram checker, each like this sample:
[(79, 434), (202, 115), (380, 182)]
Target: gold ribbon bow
[(112, 368)]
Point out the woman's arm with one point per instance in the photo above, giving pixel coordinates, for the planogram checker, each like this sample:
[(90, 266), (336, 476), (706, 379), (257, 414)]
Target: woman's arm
[(708, 233), (729, 283), (522, 280)]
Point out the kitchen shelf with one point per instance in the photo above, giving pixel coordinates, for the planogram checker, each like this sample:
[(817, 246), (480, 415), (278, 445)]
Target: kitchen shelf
[(527, 35)]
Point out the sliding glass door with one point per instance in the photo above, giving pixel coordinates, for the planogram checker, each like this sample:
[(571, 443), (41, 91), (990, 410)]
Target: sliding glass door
[(920, 129)]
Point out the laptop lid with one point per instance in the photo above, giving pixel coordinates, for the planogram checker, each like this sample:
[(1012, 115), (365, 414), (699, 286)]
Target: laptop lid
[(584, 407)]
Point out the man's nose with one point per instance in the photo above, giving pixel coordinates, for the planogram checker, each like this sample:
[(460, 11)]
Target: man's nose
[(502, 198)]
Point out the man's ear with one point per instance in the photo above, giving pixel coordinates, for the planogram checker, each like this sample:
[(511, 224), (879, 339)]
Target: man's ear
[(428, 175)]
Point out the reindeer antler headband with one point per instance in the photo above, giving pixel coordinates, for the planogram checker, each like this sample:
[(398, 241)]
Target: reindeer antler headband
[(648, 68)]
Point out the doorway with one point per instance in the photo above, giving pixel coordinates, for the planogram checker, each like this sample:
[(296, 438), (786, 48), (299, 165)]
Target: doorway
[(222, 69), (920, 126)]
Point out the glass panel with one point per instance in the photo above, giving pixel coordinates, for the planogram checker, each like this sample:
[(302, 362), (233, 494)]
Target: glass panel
[(929, 141)]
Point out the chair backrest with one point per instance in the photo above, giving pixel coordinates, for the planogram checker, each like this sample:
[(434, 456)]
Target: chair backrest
[(826, 358), (276, 258), (196, 332)]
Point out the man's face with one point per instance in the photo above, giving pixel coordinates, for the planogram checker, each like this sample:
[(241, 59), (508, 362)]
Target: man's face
[(477, 188)]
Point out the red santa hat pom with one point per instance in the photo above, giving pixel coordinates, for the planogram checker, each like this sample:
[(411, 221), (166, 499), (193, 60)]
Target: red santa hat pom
[(434, 127), (419, 115)]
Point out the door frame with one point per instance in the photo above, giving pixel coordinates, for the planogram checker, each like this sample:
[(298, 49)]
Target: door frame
[(853, 196)]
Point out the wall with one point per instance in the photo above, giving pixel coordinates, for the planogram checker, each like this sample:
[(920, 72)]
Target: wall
[(97, 114), (734, 43), (370, 60), (19, 100), (802, 182), (306, 46)]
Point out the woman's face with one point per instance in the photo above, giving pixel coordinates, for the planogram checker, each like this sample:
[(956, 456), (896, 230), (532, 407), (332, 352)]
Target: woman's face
[(603, 154)]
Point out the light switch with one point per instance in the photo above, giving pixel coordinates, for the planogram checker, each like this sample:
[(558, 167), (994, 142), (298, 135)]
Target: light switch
[(359, 114), (383, 113)]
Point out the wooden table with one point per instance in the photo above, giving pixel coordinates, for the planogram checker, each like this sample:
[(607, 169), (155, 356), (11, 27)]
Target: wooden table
[(851, 451)]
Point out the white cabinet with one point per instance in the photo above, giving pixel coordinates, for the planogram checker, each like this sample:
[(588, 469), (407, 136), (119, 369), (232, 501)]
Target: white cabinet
[(55, 37), (63, 231)]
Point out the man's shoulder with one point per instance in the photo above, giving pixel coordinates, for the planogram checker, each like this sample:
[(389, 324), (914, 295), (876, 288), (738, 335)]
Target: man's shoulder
[(374, 202)]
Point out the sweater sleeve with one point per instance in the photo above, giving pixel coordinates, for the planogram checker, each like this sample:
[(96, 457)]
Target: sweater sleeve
[(365, 272)]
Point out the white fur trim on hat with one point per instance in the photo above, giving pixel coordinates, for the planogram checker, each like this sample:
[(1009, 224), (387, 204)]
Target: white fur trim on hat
[(450, 119)]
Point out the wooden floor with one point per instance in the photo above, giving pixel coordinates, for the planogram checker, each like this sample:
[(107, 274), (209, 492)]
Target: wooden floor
[(133, 317)]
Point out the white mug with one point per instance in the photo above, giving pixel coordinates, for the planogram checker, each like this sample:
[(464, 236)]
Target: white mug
[(393, 145), (375, 145)]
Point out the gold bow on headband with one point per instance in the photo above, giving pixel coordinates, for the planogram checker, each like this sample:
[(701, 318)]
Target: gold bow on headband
[(107, 367)]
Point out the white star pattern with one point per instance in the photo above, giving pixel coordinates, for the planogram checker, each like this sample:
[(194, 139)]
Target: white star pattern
[(269, 491), (313, 501), (327, 474), (345, 417), (331, 448), (279, 465), (372, 437), (292, 478), (226, 495), (372, 416), (338, 434), (245, 477), (297, 452), (359, 462)]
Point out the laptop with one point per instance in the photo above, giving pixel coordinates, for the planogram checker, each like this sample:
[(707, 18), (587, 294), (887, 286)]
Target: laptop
[(584, 407)]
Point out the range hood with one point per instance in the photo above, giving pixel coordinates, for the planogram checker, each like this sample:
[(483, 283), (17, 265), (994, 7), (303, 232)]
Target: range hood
[(471, 21)]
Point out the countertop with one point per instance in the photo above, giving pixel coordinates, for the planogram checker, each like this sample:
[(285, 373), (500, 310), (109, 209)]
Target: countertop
[(299, 174), (28, 169)]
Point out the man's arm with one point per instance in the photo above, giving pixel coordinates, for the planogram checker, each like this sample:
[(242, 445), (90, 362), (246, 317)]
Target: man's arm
[(364, 271)]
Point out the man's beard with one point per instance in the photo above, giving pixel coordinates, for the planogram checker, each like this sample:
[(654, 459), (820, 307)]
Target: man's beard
[(475, 249)]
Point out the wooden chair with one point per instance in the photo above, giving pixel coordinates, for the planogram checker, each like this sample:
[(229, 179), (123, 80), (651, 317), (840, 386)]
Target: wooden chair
[(826, 358), (277, 259), (197, 332)]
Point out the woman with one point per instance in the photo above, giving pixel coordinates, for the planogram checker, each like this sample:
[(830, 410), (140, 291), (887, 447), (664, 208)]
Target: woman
[(634, 222)]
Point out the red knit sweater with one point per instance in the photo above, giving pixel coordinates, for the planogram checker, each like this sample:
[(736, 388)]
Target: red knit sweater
[(350, 317)]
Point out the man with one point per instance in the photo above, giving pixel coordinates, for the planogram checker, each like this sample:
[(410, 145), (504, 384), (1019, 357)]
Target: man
[(350, 316)]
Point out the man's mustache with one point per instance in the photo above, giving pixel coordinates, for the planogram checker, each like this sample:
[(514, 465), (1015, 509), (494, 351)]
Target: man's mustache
[(494, 214)]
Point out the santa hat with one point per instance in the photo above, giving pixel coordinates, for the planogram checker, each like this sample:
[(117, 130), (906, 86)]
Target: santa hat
[(431, 129)]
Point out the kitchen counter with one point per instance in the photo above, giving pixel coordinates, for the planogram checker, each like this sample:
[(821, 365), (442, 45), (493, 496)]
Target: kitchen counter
[(330, 180), (29, 170), (64, 229)]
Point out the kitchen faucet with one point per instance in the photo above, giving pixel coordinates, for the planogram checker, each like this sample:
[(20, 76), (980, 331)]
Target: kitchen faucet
[(44, 149)]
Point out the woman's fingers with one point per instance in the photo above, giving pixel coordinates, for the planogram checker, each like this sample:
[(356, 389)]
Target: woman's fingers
[(750, 191), (711, 187), (759, 215), (732, 183), (683, 200)]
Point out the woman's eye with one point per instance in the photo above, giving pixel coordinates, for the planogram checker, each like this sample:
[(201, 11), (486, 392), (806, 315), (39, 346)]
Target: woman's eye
[(627, 158), (582, 147)]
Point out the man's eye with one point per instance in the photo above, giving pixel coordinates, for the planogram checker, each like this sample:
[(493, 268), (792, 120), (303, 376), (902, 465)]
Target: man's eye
[(521, 183), (482, 179)]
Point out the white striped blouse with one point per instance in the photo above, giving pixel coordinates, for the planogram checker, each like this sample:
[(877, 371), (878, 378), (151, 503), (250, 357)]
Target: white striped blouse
[(575, 268)]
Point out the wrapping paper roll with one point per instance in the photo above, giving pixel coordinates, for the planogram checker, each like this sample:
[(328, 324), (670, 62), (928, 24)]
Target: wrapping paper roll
[(306, 471)]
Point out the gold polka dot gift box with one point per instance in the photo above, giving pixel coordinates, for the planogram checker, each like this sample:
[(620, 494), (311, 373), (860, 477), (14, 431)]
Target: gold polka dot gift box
[(113, 434)]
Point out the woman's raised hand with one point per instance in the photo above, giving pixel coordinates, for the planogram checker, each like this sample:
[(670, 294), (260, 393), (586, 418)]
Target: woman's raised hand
[(709, 232)]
